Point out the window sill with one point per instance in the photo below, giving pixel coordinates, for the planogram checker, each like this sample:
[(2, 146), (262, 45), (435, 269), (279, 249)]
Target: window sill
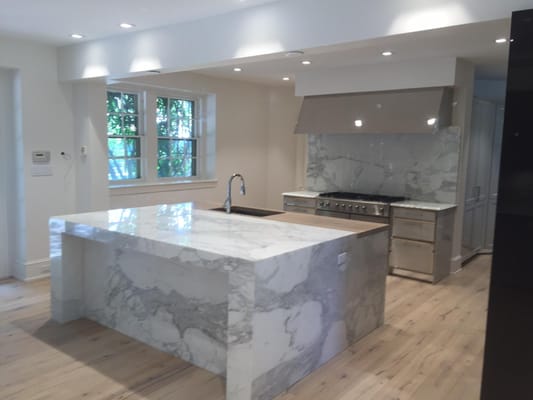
[(142, 188)]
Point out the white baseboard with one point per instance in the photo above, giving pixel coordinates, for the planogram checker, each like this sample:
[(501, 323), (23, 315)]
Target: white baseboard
[(37, 269)]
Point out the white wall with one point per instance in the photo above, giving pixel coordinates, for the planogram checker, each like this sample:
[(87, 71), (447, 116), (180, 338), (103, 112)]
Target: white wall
[(254, 125), (6, 138), (90, 127), (43, 120), (283, 162)]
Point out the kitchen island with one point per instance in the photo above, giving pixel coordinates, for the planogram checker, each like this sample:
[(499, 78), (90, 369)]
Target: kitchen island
[(260, 301)]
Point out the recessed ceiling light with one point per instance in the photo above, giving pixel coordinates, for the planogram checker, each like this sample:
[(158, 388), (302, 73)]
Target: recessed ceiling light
[(306, 62), (386, 53), (501, 40), (77, 36), (294, 53), (286, 78), (237, 69), (432, 121), (125, 25), (358, 123)]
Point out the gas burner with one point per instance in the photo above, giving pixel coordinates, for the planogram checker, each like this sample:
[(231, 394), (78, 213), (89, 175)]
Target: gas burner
[(372, 205)]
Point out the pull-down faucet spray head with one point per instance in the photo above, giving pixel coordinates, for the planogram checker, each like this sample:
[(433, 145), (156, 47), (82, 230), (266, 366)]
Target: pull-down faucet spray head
[(227, 203)]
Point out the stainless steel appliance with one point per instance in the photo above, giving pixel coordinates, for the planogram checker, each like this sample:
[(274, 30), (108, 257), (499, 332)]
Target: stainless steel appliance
[(365, 207)]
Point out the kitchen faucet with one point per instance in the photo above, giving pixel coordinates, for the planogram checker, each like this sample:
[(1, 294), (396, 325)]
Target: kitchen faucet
[(227, 203)]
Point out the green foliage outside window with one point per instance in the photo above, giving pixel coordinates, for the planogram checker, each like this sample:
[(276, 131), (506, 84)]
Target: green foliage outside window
[(124, 142), (177, 142)]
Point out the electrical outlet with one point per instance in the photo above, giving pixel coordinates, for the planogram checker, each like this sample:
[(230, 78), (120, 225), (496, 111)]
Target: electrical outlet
[(341, 258)]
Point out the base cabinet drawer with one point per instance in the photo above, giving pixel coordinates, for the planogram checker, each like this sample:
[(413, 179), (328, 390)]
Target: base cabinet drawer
[(303, 210), (293, 201), (413, 213), (412, 255), (413, 229)]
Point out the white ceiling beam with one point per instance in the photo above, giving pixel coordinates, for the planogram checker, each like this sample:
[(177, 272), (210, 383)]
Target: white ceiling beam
[(268, 29)]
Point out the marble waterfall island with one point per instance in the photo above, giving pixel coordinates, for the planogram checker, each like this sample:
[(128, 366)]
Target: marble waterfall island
[(260, 302)]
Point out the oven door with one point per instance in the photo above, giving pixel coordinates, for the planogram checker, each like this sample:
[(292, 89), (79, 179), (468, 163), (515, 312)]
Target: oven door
[(333, 214), (371, 218)]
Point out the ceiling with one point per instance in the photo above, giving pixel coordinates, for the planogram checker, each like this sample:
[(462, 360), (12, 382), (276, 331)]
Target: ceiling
[(53, 21), (474, 42)]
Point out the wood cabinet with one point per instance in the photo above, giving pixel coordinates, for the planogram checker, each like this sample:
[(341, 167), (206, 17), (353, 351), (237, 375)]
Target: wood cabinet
[(421, 243), (306, 205)]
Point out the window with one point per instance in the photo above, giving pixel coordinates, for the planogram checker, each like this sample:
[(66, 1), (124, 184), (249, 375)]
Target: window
[(159, 136), (123, 136), (176, 138)]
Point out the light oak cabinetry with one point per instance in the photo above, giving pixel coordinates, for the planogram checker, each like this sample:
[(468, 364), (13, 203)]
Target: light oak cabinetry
[(421, 243), (302, 202)]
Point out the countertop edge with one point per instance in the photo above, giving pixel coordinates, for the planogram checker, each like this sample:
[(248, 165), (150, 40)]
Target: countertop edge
[(426, 206)]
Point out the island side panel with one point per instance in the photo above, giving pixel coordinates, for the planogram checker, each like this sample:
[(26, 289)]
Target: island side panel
[(310, 307), (241, 301), (366, 285), (176, 305), (66, 272)]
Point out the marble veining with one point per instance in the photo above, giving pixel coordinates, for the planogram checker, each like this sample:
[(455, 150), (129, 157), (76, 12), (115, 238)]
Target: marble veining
[(261, 313), (419, 166), (166, 229)]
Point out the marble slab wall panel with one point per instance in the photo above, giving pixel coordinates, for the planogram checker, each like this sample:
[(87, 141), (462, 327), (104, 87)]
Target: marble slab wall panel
[(173, 306), (308, 308), (67, 276), (420, 166)]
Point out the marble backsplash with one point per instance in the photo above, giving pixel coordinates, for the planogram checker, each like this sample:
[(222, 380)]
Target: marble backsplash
[(418, 166)]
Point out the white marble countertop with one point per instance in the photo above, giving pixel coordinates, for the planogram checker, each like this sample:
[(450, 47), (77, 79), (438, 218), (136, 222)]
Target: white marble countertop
[(302, 193), (423, 205), (163, 229)]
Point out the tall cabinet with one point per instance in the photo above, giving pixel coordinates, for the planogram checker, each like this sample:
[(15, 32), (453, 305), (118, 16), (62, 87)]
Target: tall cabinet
[(482, 177), (507, 370)]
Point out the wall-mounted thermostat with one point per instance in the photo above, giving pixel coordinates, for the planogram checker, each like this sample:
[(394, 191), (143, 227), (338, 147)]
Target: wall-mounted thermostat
[(40, 160), (40, 157)]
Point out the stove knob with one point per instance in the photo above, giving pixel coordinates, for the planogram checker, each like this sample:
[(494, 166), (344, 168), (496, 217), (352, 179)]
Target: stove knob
[(381, 209), (356, 207), (343, 205), (337, 205), (350, 206), (363, 208), (321, 204), (327, 204)]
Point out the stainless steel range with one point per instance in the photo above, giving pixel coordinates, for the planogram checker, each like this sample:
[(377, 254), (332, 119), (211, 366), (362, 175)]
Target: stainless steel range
[(365, 207)]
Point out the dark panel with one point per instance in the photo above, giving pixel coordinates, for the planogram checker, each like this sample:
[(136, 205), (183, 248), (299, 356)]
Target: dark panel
[(508, 365)]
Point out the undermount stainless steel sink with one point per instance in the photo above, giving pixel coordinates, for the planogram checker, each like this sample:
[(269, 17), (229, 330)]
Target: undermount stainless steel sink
[(255, 212)]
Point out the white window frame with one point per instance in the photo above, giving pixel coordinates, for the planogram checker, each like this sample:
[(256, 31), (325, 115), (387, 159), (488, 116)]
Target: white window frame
[(198, 130), (141, 134), (149, 181)]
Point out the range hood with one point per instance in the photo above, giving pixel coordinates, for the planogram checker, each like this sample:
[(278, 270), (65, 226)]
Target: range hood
[(399, 111)]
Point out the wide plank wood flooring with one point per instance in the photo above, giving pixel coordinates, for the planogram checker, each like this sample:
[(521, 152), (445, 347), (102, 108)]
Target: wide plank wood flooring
[(430, 348)]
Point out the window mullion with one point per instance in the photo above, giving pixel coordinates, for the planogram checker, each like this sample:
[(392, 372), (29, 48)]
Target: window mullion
[(150, 137)]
